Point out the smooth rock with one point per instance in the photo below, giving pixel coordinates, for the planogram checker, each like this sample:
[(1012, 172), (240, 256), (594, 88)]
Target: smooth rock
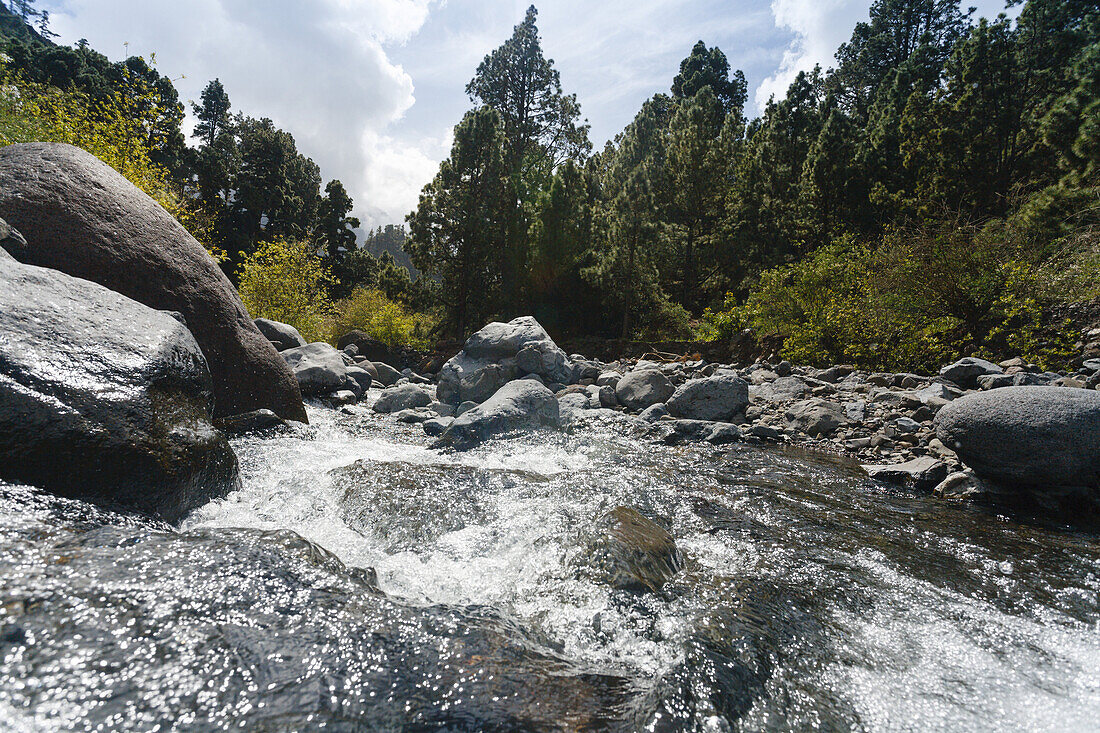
[(922, 474), (632, 553), (281, 335), (518, 405), (718, 398), (816, 418), (256, 421), (387, 375), (83, 218), (966, 371), (318, 367), (639, 389), (437, 425), (653, 413), (1027, 436), (361, 377), (103, 398), (402, 397)]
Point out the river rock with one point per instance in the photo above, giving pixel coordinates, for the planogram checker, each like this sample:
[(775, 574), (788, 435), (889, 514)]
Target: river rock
[(256, 421), (642, 388), (816, 418), (632, 553), (517, 405), (718, 398), (499, 353), (387, 375), (1027, 436), (402, 397), (922, 474), (318, 367), (281, 335), (104, 398), (783, 389), (653, 413), (965, 372), (369, 347), (83, 218), (360, 377)]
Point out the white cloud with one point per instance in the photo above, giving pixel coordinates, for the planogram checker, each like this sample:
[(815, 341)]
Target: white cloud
[(318, 68), (819, 27)]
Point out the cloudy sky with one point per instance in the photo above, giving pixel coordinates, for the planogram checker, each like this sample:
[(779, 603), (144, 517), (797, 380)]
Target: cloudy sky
[(372, 88)]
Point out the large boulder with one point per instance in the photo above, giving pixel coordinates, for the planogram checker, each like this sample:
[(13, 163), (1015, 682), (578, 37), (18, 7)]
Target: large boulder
[(499, 353), (816, 418), (718, 398), (81, 217), (642, 388), (318, 367), (517, 405), (402, 397), (1027, 436), (103, 398), (282, 336)]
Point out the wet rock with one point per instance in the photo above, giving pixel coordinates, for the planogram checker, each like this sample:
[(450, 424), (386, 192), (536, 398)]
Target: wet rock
[(104, 398), (922, 474), (318, 367), (402, 397), (491, 358), (85, 219), (717, 398), (639, 389), (965, 372), (437, 425), (256, 421), (412, 417), (1027, 436), (965, 485), (764, 432), (387, 375), (632, 553), (816, 418), (518, 405), (281, 335), (717, 433), (343, 397)]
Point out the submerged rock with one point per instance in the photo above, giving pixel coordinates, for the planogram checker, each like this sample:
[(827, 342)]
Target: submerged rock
[(103, 398), (517, 405), (632, 553), (83, 218), (1036, 437)]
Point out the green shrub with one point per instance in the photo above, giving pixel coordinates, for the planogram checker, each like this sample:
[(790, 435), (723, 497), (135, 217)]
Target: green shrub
[(284, 280), (388, 321)]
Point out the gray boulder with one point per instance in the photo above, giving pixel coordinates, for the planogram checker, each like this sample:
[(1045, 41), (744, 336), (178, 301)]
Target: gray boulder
[(402, 397), (783, 389), (361, 378), (83, 218), (319, 368), (517, 405), (1027, 436), (718, 398), (281, 335), (499, 353), (816, 418), (642, 388), (256, 421), (653, 413), (386, 374), (965, 372), (103, 398)]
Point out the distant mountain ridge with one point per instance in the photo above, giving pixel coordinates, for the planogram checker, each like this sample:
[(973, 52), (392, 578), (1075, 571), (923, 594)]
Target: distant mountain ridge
[(390, 238)]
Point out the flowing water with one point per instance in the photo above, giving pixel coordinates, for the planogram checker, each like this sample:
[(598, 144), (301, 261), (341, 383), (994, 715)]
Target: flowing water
[(425, 590)]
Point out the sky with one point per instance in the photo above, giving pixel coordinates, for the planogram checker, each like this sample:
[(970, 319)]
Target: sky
[(371, 89)]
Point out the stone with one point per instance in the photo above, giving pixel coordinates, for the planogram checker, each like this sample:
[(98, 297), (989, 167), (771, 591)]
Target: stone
[(318, 367), (343, 397), (411, 417), (518, 405), (464, 407), (653, 413), (921, 474), (437, 425), (966, 371), (281, 335), (856, 410), (632, 553), (85, 219), (783, 369), (103, 398), (491, 358), (816, 418), (639, 389), (1027, 436), (369, 347), (717, 398), (1091, 365), (607, 396), (402, 397), (783, 389), (608, 379), (360, 377), (835, 373), (765, 432), (936, 391), (906, 425), (387, 375), (257, 421)]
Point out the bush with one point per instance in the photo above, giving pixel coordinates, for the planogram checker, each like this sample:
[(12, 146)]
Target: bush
[(390, 322), (284, 280)]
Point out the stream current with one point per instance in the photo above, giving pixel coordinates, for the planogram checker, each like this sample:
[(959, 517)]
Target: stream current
[(430, 590)]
